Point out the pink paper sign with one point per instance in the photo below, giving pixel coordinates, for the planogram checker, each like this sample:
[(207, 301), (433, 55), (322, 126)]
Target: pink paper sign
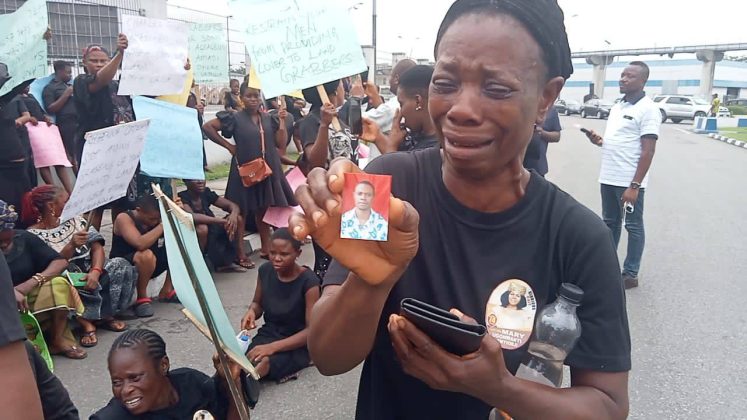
[(46, 144), (278, 216)]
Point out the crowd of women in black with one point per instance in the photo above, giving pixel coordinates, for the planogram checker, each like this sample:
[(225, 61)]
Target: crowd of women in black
[(467, 218)]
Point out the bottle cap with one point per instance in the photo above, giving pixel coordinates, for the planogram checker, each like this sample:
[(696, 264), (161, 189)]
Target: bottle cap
[(571, 292)]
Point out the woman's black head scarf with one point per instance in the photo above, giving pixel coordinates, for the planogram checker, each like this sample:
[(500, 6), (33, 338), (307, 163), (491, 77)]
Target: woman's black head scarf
[(542, 18)]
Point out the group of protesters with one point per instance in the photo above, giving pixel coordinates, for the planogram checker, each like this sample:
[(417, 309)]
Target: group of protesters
[(466, 218)]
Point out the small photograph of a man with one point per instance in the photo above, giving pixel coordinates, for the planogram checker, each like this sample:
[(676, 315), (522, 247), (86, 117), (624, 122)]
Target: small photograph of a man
[(365, 202)]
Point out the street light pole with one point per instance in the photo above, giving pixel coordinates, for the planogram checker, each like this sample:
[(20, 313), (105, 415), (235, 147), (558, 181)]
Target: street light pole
[(374, 38), (228, 42)]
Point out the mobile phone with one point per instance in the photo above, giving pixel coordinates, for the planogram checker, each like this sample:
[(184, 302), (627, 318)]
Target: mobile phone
[(355, 119), (629, 207), (76, 279), (364, 76), (585, 131)]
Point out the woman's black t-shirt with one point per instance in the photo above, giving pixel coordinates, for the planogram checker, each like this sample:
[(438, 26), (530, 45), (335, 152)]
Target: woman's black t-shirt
[(284, 303), (468, 258), (196, 391), (28, 256)]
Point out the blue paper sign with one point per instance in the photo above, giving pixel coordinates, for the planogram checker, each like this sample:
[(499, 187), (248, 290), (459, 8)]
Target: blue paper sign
[(173, 147), (37, 89), (298, 44), (22, 46)]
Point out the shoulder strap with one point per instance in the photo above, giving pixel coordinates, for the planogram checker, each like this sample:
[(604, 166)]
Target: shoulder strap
[(261, 134)]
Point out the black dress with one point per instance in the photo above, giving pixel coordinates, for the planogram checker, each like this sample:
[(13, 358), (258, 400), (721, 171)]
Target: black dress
[(14, 176), (284, 305), (220, 250), (273, 191), (121, 248)]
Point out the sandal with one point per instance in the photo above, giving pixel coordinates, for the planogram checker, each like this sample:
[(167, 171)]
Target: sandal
[(112, 325), (246, 263), (71, 353), (170, 298), (89, 339), (233, 268), (143, 308)]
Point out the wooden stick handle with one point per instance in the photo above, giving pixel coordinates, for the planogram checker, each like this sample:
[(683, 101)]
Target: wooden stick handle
[(325, 99)]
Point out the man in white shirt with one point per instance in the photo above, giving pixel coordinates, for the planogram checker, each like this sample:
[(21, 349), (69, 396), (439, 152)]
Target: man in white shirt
[(628, 148), (362, 222)]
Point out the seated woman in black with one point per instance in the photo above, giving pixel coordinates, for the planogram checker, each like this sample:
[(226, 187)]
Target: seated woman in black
[(137, 236), (221, 238), (144, 387), (285, 294)]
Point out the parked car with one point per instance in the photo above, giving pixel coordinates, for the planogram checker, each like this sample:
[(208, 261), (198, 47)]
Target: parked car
[(738, 102), (681, 107), (599, 108), (567, 106), (724, 112)]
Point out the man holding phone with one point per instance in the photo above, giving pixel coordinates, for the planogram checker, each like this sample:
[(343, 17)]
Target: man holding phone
[(628, 148)]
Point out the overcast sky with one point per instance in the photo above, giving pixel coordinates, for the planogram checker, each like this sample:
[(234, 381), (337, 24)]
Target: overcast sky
[(410, 26)]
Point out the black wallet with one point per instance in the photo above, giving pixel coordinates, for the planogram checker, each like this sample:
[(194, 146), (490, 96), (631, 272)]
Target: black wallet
[(443, 327)]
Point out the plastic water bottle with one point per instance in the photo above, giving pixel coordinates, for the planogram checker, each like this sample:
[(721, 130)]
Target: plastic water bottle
[(554, 336), (244, 340)]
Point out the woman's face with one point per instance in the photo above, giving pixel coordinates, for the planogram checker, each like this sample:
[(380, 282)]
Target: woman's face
[(488, 90), (234, 87), (6, 240), (514, 298), (408, 105), (282, 255), (137, 381), (95, 61), (250, 98)]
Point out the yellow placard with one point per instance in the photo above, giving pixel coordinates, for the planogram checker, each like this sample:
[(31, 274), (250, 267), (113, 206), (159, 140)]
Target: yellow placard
[(180, 98)]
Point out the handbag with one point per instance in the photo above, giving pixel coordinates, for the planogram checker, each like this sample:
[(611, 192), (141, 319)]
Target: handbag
[(257, 170), (446, 329)]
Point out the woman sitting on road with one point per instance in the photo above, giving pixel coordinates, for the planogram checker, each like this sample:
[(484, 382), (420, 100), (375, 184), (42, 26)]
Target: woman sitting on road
[(137, 237), (285, 294), (145, 387), (109, 283), (35, 269)]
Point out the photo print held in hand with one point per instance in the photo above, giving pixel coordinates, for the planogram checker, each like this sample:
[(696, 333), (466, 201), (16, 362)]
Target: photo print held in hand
[(365, 206)]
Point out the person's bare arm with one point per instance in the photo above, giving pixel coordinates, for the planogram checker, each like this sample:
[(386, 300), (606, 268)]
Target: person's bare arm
[(24, 118), (126, 228), (202, 219), (211, 129), (281, 135), (549, 136), (57, 105), (648, 148), (55, 268), (107, 73), (337, 343), (255, 311), (20, 398), (227, 205)]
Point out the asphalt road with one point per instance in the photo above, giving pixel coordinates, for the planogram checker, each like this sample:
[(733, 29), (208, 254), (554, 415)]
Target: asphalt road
[(688, 322)]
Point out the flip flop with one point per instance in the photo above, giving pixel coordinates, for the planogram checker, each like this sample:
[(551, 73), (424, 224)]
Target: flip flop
[(233, 268), (92, 339), (143, 308), (71, 353), (246, 263), (112, 325)]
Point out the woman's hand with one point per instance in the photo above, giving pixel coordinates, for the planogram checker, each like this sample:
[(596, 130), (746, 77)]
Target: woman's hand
[(261, 351), (398, 133), (329, 112), (122, 43), (33, 121), (21, 303), (231, 149), (188, 65), (80, 238), (232, 222), (282, 115), (371, 130), (247, 322), (92, 280), (482, 374), (374, 262)]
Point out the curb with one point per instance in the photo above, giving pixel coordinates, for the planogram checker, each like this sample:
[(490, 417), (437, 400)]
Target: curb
[(728, 140)]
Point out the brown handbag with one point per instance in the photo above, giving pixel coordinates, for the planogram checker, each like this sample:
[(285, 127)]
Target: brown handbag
[(257, 170)]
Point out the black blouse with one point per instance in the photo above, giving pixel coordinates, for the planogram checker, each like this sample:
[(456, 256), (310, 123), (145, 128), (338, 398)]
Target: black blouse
[(28, 255)]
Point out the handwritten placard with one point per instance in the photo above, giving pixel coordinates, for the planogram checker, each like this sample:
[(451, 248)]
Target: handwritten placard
[(47, 146), (298, 44), (173, 148), (22, 46), (208, 52), (154, 61), (110, 158)]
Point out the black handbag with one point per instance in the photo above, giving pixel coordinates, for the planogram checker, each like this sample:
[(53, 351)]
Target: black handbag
[(446, 329)]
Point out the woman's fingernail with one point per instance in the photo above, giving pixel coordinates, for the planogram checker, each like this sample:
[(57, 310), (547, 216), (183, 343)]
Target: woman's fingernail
[(297, 230), (332, 178), (331, 205), (316, 216)]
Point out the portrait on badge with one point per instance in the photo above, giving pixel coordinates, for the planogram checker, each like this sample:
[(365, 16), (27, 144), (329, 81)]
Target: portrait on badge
[(365, 202)]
